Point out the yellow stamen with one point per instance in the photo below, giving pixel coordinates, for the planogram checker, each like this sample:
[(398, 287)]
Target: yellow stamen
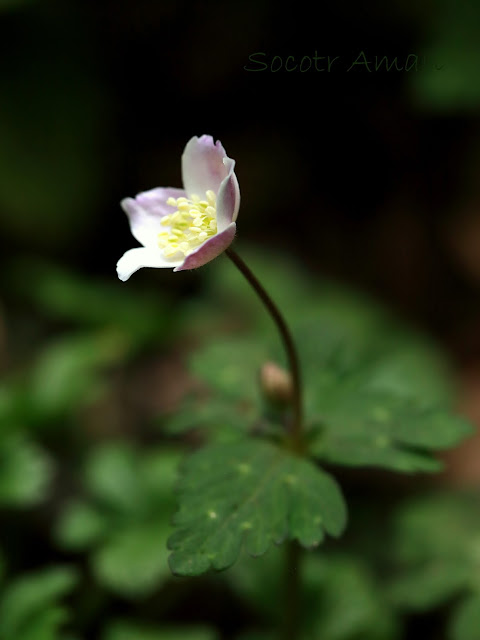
[(193, 222)]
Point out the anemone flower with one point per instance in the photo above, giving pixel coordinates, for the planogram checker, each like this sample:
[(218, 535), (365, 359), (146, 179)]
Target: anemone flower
[(185, 228)]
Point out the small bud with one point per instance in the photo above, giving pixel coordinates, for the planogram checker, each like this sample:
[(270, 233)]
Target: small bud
[(276, 384)]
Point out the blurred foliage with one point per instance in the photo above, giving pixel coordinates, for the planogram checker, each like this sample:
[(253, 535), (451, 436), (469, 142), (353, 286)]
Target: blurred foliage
[(376, 394), (126, 631), (25, 471), (465, 622), (436, 550), (104, 499), (61, 294), (105, 327), (29, 607), (67, 374), (126, 521), (342, 599), (70, 370), (448, 77)]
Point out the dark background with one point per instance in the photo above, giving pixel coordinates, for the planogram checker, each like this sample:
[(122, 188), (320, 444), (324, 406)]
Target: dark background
[(366, 175)]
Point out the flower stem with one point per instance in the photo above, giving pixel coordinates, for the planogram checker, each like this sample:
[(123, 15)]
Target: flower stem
[(293, 557), (292, 610), (296, 433)]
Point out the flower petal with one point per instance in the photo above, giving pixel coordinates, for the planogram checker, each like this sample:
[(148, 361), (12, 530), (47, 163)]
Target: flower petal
[(228, 197), (209, 249), (146, 210), (135, 259), (202, 165)]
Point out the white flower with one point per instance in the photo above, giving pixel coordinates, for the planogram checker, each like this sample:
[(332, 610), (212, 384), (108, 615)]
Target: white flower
[(185, 228)]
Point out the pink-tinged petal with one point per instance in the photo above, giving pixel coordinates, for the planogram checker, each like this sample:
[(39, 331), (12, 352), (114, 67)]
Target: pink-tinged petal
[(209, 249), (228, 197), (202, 166), (136, 259), (146, 210)]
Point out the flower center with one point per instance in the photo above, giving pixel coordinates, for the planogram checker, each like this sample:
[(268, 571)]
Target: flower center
[(190, 225)]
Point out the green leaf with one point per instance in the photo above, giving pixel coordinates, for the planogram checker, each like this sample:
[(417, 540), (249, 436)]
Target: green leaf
[(134, 561), (377, 394), (343, 364), (336, 329), (410, 367), (29, 604), (126, 522), (71, 371), (124, 630), (80, 525), (362, 427), (129, 482), (343, 601), (112, 476), (465, 621), (429, 586), (231, 405), (250, 493), (439, 526), (215, 415), (435, 549), (159, 473), (447, 80), (45, 625), (25, 471), (371, 407), (231, 366)]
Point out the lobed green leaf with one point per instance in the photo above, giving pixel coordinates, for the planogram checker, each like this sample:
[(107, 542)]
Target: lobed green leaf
[(250, 493), (364, 427)]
